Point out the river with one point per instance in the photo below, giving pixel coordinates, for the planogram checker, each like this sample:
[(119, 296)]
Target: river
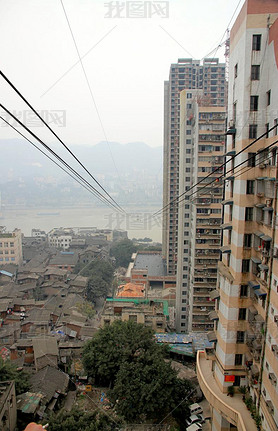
[(138, 222)]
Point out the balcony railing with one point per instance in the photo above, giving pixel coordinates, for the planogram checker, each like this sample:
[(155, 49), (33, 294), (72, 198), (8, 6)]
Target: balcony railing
[(232, 409)]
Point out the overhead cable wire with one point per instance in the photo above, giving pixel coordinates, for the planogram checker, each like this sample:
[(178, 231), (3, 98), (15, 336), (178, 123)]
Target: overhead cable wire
[(57, 137), (217, 169), (52, 160), (89, 86), (57, 156), (221, 40), (242, 172), (238, 173)]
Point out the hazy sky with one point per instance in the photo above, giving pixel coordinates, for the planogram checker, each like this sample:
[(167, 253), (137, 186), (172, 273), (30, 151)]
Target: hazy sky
[(127, 64)]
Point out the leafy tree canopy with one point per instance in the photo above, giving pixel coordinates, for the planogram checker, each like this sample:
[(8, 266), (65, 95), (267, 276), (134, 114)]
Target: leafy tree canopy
[(100, 275), (115, 344), (77, 420), (8, 371), (122, 251)]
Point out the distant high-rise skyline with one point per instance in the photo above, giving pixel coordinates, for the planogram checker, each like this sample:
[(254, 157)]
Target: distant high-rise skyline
[(208, 84)]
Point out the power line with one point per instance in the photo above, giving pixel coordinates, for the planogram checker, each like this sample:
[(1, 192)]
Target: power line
[(232, 169), (239, 173), (221, 40), (58, 157), (59, 139), (57, 164), (217, 169), (89, 86)]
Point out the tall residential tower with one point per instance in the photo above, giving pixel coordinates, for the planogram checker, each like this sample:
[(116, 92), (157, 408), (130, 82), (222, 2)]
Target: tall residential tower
[(246, 313)]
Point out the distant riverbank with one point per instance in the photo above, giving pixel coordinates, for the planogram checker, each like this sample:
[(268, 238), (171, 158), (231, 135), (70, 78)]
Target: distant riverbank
[(137, 221)]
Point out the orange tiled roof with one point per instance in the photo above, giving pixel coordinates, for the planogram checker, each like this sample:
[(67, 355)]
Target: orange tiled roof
[(131, 290)]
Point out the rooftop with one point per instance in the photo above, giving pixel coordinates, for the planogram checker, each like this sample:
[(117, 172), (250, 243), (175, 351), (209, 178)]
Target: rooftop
[(45, 346), (48, 381), (152, 262), (131, 290)]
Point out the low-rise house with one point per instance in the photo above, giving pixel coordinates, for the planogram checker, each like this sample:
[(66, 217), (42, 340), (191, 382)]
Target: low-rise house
[(131, 290), (55, 274), (37, 322), (7, 406), (52, 384), (45, 352), (150, 313), (9, 334), (65, 260)]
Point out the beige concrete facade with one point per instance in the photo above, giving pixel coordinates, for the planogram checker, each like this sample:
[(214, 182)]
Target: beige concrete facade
[(192, 75), (10, 247), (200, 215), (246, 350), (147, 312)]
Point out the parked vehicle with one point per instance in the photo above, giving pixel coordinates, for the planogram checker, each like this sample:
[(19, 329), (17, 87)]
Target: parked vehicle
[(195, 409), (194, 427), (195, 418)]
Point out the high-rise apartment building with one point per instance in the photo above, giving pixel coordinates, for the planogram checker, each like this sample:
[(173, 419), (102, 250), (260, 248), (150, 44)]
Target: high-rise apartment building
[(206, 86), (186, 74), (246, 313), (199, 233), (10, 247)]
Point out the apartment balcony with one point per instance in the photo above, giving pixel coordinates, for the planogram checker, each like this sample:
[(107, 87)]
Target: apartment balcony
[(267, 409), (232, 409)]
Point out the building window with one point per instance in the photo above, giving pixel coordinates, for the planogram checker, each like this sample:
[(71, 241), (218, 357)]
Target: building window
[(267, 130), (245, 265), (238, 359), (254, 103), (248, 213), (247, 240), (268, 97), (188, 141), (189, 95), (256, 42), (253, 131), (251, 160), (274, 133), (240, 336), (255, 72), (243, 291), (250, 187), (242, 314), (236, 70), (234, 112)]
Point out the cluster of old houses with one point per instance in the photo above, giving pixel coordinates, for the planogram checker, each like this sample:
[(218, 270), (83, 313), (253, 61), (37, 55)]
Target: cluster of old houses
[(45, 318)]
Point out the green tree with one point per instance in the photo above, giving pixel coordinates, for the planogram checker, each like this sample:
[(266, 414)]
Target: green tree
[(122, 251), (97, 288), (144, 388), (8, 371), (77, 420), (115, 344), (100, 275)]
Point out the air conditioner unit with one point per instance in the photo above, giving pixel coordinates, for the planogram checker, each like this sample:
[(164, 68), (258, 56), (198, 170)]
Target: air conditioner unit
[(262, 165), (268, 202), (231, 124), (275, 252)]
